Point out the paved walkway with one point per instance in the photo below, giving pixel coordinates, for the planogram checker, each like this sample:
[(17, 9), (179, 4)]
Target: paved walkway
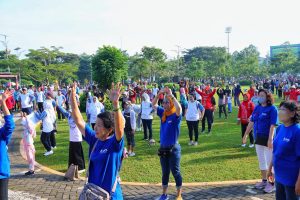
[(44, 185)]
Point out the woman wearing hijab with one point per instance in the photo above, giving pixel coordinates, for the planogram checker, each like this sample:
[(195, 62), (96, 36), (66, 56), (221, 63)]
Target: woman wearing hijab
[(146, 115), (95, 108), (170, 150)]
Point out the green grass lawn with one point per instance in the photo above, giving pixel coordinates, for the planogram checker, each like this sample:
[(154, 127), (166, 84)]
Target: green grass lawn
[(218, 157)]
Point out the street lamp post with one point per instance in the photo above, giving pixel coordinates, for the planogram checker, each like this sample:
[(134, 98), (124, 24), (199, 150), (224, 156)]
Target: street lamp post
[(228, 31)]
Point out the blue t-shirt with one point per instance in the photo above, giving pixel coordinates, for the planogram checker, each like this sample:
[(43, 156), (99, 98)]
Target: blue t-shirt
[(286, 154), (263, 118), (170, 129), (105, 161), (5, 136)]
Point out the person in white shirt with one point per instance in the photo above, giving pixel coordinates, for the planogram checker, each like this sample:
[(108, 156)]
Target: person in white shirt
[(76, 155), (48, 120), (195, 112), (25, 100), (146, 115), (60, 101), (31, 93), (130, 127), (95, 109), (198, 96), (155, 90), (40, 97), (50, 105)]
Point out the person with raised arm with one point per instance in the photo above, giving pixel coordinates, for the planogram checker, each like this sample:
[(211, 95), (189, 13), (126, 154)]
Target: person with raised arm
[(170, 150), (5, 136), (106, 144)]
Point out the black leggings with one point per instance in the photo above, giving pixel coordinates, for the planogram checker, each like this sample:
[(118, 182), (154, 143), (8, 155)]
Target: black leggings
[(209, 116), (147, 123), (193, 126), (45, 139), (222, 108), (4, 189)]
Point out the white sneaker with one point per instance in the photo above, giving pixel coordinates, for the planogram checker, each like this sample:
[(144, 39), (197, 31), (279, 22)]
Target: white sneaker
[(48, 153), (53, 147), (243, 145), (191, 143), (195, 143), (131, 154), (251, 145)]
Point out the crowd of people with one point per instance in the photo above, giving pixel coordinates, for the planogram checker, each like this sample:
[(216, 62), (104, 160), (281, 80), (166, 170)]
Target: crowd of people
[(134, 107)]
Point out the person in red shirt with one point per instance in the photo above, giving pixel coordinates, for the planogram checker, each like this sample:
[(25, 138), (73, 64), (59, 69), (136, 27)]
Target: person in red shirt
[(209, 108), (132, 96), (251, 91), (10, 102), (293, 93), (245, 111)]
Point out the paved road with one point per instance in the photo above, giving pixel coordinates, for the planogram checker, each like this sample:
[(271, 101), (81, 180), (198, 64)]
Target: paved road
[(44, 185)]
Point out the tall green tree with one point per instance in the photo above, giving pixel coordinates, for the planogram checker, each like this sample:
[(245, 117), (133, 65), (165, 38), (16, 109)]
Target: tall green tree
[(286, 61), (215, 59), (109, 65), (155, 57), (245, 62), (85, 68)]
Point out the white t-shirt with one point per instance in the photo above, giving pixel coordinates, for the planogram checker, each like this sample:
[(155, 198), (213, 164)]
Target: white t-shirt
[(229, 99), (40, 97), (146, 110), (75, 134), (193, 111), (48, 122), (198, 96), (25, 100), (155, 91), (95, 109)]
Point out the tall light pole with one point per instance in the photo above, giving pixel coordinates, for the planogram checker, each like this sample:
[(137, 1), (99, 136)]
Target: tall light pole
[(228, 31)]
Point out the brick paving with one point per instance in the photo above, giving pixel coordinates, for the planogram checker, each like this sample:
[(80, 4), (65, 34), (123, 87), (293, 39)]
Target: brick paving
[(44, 185)]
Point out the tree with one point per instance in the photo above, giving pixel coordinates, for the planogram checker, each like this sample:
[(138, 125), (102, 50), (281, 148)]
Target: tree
[(156, 58), (195, 69), (215, 59), (138, 67), (85, 67), (245, 62), (285, 61), (109, 65)]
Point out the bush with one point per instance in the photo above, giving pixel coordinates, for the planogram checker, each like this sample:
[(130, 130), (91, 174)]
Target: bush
[(82, 100), (245, 82)]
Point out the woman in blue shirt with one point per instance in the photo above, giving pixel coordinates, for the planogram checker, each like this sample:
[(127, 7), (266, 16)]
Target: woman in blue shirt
[(286, 153), (106, 141), (170, 150), (263, 122), (5, 135)]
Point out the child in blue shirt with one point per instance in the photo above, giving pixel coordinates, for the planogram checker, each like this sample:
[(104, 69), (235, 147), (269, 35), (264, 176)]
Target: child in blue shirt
[(5, 136), (286, 153)]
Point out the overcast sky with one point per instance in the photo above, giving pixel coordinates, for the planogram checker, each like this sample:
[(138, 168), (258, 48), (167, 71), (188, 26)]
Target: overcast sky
[(84, 25)]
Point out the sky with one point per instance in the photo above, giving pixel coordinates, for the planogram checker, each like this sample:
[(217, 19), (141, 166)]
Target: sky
[(85, 25)]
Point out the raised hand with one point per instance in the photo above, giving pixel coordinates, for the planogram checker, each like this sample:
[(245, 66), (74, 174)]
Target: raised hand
[(114, 93), (5, 95)]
